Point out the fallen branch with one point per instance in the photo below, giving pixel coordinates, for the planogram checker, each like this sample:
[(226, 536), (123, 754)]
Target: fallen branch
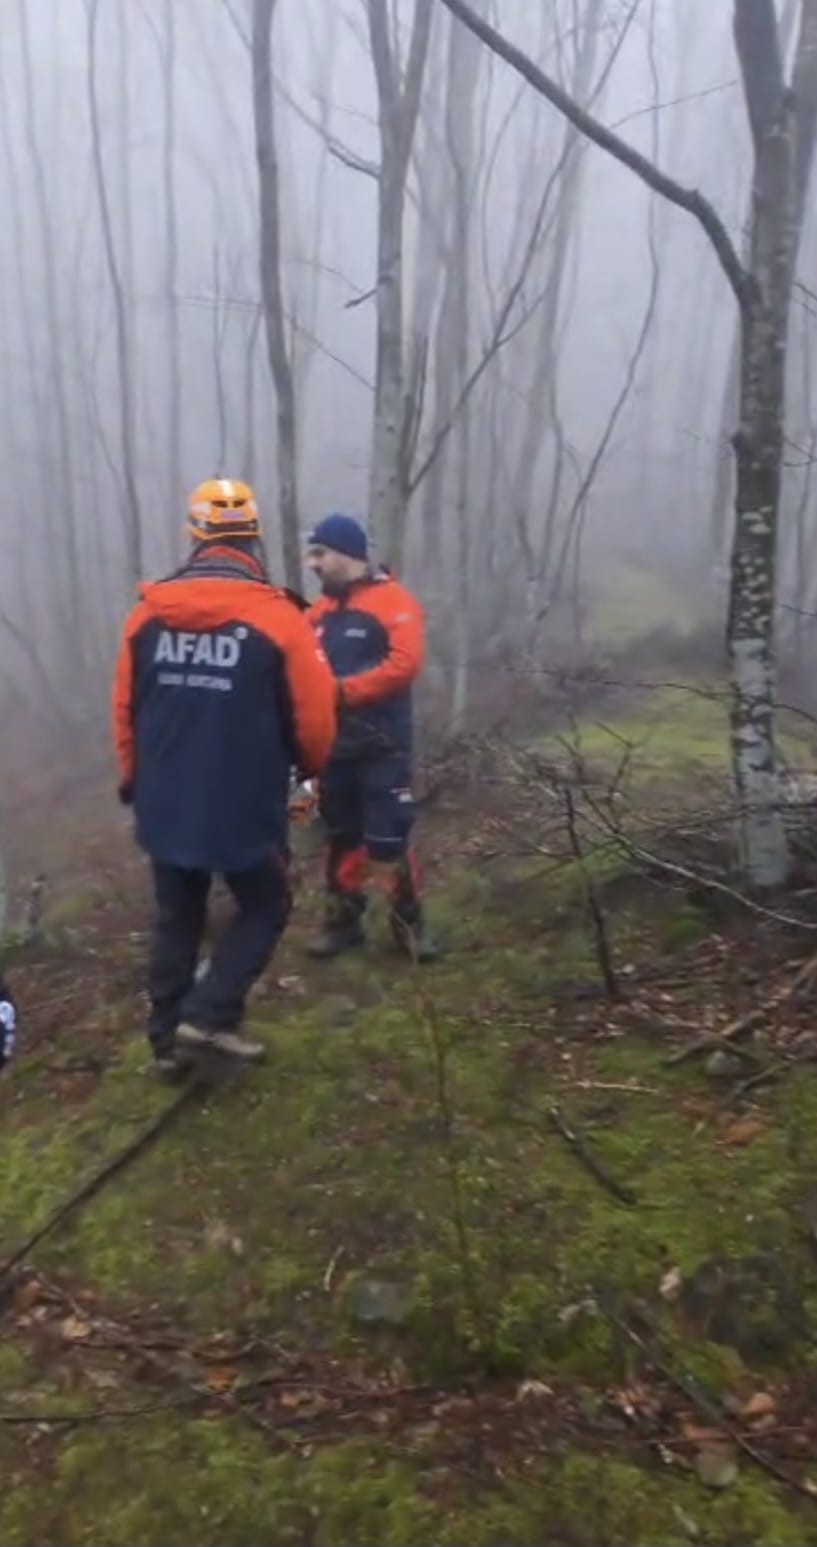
[(329, 1275), (105, 1174), (580, 1148), (104, 1414), (590, 1162), (745, 1024), (683, 873), (710, 1409), (598, 920), (627, 1090)]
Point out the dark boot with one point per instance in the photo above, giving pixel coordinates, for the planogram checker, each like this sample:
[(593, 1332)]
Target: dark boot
[(407, 921), (170, 1068), (200, 1039), (342, 926), (411, 935)]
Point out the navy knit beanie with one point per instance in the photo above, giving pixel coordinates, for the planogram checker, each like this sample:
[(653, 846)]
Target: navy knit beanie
[(343, 534)]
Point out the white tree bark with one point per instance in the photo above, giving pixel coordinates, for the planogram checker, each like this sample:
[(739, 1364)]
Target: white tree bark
[(783, 122)]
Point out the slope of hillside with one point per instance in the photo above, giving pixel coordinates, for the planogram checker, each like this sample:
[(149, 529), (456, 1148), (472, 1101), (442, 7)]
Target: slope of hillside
[(469, 1260)]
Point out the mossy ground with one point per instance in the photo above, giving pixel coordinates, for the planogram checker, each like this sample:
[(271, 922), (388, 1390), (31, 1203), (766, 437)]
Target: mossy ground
[(400, 1135)]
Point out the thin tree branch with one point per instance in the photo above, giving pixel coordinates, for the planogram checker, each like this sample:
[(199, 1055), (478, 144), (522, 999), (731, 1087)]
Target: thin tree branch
[(335, 147), (111, 1168), (690, 199)]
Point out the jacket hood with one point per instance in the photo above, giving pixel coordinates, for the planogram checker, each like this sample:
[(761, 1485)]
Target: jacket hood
[(202, 602)]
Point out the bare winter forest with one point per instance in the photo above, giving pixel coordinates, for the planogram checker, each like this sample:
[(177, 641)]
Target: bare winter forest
[(350, 254), (530, 288)]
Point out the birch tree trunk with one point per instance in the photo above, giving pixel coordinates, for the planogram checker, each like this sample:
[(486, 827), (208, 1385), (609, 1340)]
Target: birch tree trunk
[(272, 291), (724, 483), (783, 127)]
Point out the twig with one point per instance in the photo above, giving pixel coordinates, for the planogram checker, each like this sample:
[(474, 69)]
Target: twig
[(629, 1090), (580, 1147), (439, 1054), (105, 1414), (578, 1144), (359, 300), (710, 1409), (683, 873), (329, 1275), (594, 908), (110, 1169), (745, 1024), (763, 1076)]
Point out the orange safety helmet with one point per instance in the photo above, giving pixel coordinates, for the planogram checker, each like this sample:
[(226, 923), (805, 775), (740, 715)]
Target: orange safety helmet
[(220, 509)]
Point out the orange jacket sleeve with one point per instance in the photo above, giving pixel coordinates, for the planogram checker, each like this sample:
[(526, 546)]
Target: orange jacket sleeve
[(313, 692), (123, 695), (405, 626)]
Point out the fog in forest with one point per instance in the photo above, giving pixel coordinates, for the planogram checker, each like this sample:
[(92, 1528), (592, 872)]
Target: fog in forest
[(214, 208)]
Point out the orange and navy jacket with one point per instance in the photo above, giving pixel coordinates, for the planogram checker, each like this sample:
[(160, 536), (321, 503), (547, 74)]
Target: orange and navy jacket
[(374, 636), (220, 689)]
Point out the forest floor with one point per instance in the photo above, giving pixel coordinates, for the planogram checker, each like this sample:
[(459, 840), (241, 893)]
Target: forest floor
[(474, 1258)]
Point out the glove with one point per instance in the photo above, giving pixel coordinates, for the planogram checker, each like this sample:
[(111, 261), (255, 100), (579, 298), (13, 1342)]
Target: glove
[(303, 800), (8, 1024), (125, 793)]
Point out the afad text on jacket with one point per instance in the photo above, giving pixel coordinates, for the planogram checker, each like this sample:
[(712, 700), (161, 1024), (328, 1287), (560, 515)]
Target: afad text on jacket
[(220, 689)]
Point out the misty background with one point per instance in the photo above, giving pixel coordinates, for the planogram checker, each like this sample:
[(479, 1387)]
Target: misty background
[(567, 338)]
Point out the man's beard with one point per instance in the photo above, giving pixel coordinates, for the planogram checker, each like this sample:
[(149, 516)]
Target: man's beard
[(334, 588)]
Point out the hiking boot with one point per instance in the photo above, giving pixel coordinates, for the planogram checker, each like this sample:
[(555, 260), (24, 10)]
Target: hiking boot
[(170, 1067), (342, 928), (411, 936), (228, 1043)]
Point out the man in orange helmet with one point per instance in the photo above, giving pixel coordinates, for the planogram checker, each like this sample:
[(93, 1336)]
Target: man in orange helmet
[(221, 689)]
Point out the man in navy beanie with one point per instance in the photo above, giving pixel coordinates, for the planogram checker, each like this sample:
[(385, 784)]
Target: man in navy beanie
[(373, 632)]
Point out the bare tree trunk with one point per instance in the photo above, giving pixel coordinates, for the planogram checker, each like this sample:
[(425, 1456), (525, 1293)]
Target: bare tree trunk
[(430, 269), (133, 516), (463, 79), (175, 423), (722, 504), (54, 330), (271, 288), (399, 100), (784, 122), (541, 409), (219, 327), (802, 569), (783, 130), (248, 459)]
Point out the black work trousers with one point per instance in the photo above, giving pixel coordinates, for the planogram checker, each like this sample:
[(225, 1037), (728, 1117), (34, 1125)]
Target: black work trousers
[(215, 1001)]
